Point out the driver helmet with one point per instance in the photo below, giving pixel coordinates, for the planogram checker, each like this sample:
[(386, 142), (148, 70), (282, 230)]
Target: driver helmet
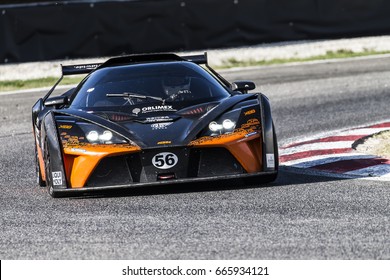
[(176, 85)]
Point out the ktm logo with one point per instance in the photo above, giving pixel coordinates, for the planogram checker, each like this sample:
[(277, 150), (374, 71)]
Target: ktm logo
[(250, 112)]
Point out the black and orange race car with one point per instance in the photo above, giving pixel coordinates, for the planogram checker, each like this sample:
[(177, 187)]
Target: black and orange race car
[(152, 119)]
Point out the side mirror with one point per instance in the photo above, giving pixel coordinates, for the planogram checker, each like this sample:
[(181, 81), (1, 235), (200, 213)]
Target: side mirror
[(243, 86), (57, 101)]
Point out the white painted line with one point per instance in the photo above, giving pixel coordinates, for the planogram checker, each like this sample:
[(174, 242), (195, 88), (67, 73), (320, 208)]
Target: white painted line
[(317, 146), (325, 159), (363, 131)]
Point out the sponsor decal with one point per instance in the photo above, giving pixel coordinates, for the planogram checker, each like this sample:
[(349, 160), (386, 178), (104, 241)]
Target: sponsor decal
[(158, 108), (136, 111), (87, 66), (250, 112), (184, 91), (158, 126), (57, 178), (251, 134), (165, 160), (164, 142), (65, 126), (270, 160), (252, 123), (78, 150), (158, 119)]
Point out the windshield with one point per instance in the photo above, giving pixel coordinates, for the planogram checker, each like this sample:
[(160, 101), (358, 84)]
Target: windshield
[(120, 88)]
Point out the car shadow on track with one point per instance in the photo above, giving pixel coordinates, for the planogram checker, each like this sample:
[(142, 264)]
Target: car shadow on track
[(293, 176), (285, 178)]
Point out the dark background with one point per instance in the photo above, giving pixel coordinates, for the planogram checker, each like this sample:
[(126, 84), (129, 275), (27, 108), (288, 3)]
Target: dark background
[(47, 30)]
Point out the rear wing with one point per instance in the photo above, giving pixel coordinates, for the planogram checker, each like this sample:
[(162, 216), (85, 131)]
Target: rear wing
[(87, 68), (79, 69), (198, 59)]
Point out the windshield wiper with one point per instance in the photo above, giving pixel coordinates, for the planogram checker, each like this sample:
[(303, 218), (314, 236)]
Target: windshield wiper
[(129, 96)]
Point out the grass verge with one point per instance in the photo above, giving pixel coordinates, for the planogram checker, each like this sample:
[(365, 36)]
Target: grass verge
[(378, 144), (36, 83)]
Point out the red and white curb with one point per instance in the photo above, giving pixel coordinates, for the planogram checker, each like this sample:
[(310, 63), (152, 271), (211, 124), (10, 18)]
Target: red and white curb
[(332, 154)]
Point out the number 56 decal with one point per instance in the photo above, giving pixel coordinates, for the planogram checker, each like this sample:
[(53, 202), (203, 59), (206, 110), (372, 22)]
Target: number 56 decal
[(165, 160)]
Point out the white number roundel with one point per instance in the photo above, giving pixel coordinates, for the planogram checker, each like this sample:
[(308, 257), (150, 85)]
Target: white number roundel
[(165, 160)]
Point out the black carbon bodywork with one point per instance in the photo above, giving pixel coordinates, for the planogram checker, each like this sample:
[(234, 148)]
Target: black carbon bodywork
[(183, 138), (154, 134), (256, 178)]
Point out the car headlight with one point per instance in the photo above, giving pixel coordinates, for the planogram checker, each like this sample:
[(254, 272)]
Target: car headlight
[(94, 136), (214, 127), (106, 136), (225, 124), (228, 124), (99, 135)]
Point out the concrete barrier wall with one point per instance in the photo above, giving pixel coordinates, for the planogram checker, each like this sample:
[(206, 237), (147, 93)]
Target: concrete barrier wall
[(73, 29)]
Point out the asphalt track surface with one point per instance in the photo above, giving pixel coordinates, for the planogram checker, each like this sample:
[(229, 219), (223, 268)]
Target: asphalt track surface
[(297, 217)]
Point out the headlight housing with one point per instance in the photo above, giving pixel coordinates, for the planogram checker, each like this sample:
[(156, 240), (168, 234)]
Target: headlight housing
[(224, 124), (88, 133), (98, 135)]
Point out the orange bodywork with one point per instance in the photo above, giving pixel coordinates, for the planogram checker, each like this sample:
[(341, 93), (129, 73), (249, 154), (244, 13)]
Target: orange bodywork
[(244, 144), (41, 162), (247, 150), (80, 161)]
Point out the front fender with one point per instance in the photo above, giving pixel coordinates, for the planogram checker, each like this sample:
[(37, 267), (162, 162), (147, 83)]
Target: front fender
[(270, 147), (53, 145)]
